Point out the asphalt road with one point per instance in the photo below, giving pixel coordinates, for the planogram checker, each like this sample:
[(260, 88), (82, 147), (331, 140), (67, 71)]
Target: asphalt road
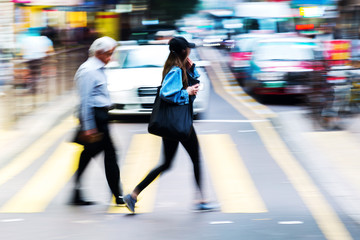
[(263, 188)]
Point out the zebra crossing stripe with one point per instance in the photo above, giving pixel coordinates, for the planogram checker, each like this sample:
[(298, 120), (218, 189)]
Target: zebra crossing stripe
[(47, 182), (143, 155), (234, 187), (28, 156)]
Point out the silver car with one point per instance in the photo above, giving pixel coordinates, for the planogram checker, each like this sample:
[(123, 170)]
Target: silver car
[(134, 74)]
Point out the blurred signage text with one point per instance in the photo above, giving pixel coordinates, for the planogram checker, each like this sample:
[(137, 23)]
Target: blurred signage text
[(123, 8), (7, 24), (300, 27), (338, 51), (51, 2), (311, 11)]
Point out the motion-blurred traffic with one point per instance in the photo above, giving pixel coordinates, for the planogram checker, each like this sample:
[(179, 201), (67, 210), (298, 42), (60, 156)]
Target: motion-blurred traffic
[(276, 115)]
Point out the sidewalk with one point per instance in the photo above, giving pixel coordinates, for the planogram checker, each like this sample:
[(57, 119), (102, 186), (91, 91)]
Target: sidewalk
[(30, 127), (331, 157)]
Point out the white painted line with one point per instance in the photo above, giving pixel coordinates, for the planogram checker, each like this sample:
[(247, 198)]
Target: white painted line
[(244, 98), (239, 91), (12, 220), (231, 87), (210, 131), (229, 121), (245, 131), (221, 222), (262, 219), (290, 222), (85, 221)]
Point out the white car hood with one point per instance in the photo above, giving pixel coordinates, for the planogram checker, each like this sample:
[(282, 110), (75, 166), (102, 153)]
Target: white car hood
[(132, 78), (284, 66)]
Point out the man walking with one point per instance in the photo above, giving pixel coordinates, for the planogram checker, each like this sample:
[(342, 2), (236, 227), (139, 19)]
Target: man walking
[(94, 105)]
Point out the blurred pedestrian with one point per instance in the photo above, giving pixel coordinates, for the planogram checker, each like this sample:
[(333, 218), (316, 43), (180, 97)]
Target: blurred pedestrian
[(180, 86), (34, 49), (94, 105)]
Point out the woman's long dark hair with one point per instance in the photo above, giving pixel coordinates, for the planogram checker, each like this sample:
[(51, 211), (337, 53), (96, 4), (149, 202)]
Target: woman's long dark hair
[(176, 59)]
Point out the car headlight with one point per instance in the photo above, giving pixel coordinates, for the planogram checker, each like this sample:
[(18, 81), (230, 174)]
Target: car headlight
[(270, 76)]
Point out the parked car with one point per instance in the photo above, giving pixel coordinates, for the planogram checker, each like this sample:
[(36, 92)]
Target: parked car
[(134, 74), (285, 66), (274, 16)]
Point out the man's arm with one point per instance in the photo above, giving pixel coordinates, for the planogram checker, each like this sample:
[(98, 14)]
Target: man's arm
[(86, 84)]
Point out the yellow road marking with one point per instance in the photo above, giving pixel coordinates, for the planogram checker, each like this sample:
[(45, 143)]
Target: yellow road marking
[(344, 158), (326, 218), (142, 156), (233, 184), (231, 98), (47, 182), (220, 84), (26, 158), (251, 100), (259, 107)]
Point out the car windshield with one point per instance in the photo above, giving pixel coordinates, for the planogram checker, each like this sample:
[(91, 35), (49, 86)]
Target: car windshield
[(285, 51), (141, 57)]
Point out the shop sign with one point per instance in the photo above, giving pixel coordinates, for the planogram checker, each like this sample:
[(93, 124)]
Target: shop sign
[(338, 52), (51, 2)]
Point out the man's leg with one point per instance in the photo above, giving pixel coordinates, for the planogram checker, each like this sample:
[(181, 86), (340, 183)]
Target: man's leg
[(90, 150), (112, 169)]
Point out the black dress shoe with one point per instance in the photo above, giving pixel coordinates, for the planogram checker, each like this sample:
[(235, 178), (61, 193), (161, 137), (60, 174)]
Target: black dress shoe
[(119, 200), (81, 202), (77, 200)]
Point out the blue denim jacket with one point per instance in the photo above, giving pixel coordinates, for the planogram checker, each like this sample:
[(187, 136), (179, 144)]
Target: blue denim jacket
[(172, 88)]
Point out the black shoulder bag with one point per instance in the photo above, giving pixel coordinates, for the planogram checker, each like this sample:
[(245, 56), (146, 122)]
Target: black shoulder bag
[(170, 120)]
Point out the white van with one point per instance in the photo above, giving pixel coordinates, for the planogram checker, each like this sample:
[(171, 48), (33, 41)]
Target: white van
[(266, 16)]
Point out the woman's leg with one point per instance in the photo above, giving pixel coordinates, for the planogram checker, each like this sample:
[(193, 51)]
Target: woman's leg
[(191, 145), (169, 149)]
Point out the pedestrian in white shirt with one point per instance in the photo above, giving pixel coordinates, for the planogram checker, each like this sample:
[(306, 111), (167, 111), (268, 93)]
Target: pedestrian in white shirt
[(94, 105)]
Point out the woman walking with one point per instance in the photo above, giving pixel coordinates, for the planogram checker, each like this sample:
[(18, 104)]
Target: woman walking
[(180, 86)]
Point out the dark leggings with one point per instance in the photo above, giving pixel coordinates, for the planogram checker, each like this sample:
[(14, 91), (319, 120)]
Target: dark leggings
[(191, 145), (112, 171)]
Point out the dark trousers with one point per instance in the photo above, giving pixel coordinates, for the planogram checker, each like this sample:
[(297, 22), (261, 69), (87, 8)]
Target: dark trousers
[(191, 145), (35, 73), (91, 150)]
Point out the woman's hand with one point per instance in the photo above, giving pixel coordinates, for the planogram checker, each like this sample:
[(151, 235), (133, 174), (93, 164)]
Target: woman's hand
[(193, 90)]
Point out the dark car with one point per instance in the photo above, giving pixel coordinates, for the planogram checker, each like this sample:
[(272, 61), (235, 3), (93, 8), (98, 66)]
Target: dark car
[(284, 66), (240, 54)]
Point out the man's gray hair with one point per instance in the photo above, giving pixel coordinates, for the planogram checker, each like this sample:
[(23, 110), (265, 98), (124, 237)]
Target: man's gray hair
[(102, 44)]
